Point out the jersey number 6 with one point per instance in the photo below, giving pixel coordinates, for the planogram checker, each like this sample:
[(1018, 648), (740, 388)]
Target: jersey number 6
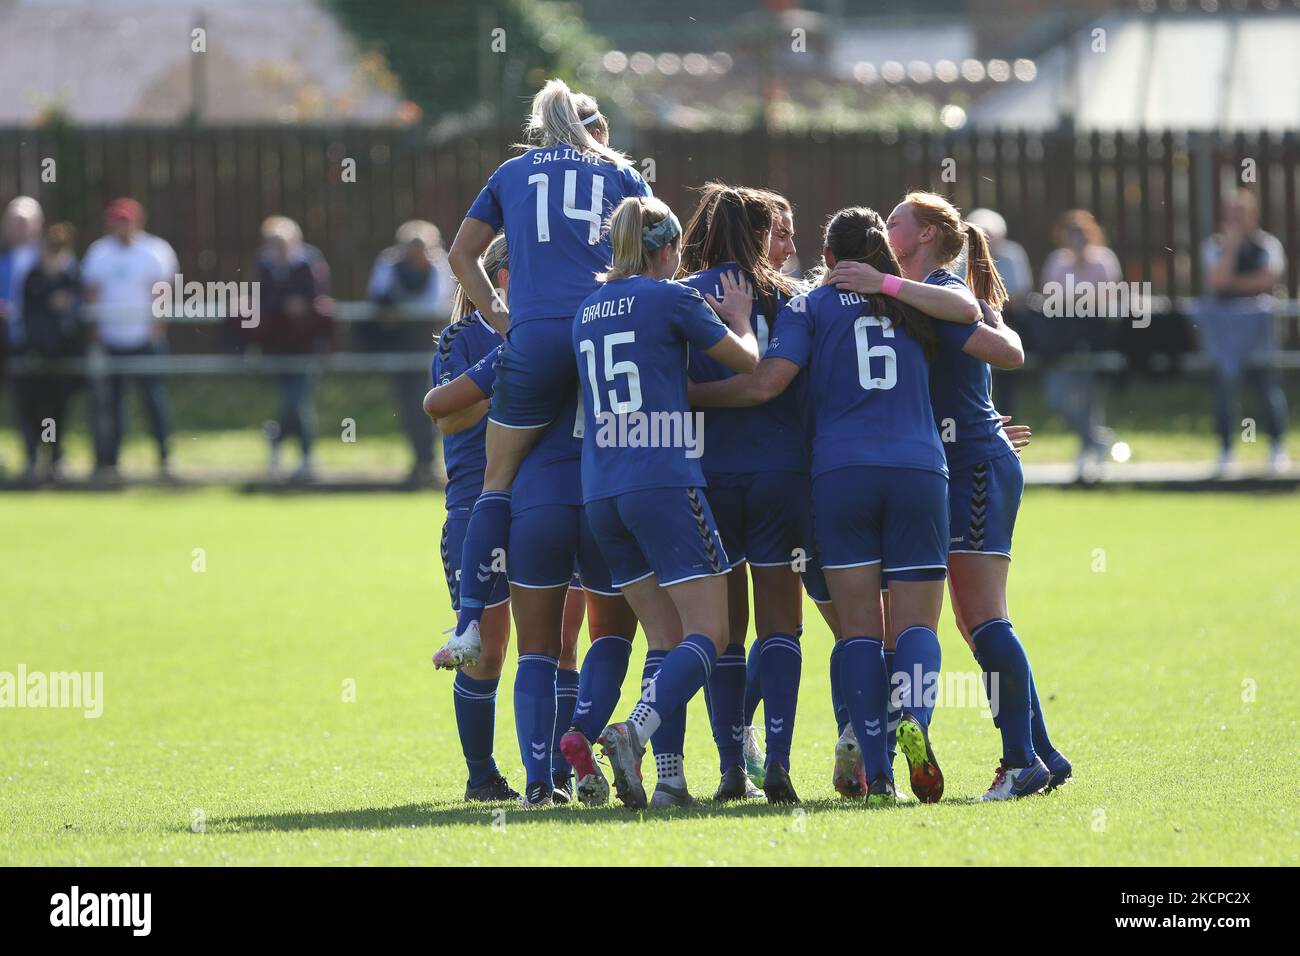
[(867, 351)]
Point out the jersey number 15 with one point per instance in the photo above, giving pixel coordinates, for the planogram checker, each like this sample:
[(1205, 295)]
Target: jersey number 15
[(612, 370)]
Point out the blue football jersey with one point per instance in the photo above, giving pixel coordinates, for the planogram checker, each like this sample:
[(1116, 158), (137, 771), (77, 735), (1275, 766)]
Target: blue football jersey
[(868, 383), (553, 203), (961, 391), (551, 473), (767, 437), (631, 339), (462, 344)]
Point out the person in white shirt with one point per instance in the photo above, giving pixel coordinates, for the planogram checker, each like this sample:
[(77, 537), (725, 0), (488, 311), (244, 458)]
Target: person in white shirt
[(119, 272), (1243, 265), (411, 278)]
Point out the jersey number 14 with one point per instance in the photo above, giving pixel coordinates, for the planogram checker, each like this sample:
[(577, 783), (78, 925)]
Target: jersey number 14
[(591, 215)]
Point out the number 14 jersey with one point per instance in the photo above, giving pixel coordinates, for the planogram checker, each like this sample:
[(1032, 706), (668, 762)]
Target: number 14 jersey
[(553, 203)]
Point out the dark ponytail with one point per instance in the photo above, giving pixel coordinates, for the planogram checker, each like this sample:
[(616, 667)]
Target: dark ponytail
[(857, 234), (731, 224)]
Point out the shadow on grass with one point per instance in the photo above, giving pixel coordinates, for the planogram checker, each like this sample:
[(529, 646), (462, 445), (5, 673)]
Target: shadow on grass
[(416, 815)]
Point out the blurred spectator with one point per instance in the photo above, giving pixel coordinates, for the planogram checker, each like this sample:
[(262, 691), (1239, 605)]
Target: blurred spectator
[(411, 278), (51, 330), (1018, 276), (1243, 265), (20, 233), (1071, 386), (118, 275), (296, 320)]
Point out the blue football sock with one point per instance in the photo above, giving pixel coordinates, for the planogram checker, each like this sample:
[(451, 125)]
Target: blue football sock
[(917, 654), (475, 702), (780, 662), (669, 740), (863, 681), (482, 558), (995, 713), (566, 698), (894, 708), (1042, 744), (753, 683), (683, 672), (1006, 681), (599, 684), (535, 713), (725, 696), (838, 702), (654, 659)]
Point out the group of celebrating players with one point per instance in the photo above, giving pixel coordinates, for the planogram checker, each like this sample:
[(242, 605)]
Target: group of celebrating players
[(848, 446)]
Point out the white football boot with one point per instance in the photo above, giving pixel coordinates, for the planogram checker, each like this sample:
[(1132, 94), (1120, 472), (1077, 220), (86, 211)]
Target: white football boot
[(849, 777), (666, 795), (754, 760), (1021, 782), (461, 649)]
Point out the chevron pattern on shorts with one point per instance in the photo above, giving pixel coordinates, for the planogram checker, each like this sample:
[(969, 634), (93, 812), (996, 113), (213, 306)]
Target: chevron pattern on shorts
[(702, 526), (446, 565), (979, 500)]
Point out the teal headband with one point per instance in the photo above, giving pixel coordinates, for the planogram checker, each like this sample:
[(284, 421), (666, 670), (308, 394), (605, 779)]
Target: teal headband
[(661, 233)]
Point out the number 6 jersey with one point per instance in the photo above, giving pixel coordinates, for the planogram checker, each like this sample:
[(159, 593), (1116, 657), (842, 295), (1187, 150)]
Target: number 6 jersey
[(631, 341), (868, 383)]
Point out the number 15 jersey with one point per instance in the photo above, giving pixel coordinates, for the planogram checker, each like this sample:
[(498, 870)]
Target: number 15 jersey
[(869, 383), (631, 340)]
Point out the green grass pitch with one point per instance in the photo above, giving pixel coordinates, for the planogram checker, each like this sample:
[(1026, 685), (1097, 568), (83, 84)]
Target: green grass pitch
[(1162, 629)]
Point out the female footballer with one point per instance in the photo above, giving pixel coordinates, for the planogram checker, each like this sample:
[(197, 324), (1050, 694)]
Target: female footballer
[(552, 201), (467, 350), (756, 466), (927, 234), (642, 484)]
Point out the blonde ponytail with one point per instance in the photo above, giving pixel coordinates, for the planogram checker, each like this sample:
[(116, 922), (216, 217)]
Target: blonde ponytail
[(627, 225), (495, 258), (562, 117)]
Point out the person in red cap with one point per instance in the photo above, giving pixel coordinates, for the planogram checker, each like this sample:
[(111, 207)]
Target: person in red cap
[(119, 272)]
